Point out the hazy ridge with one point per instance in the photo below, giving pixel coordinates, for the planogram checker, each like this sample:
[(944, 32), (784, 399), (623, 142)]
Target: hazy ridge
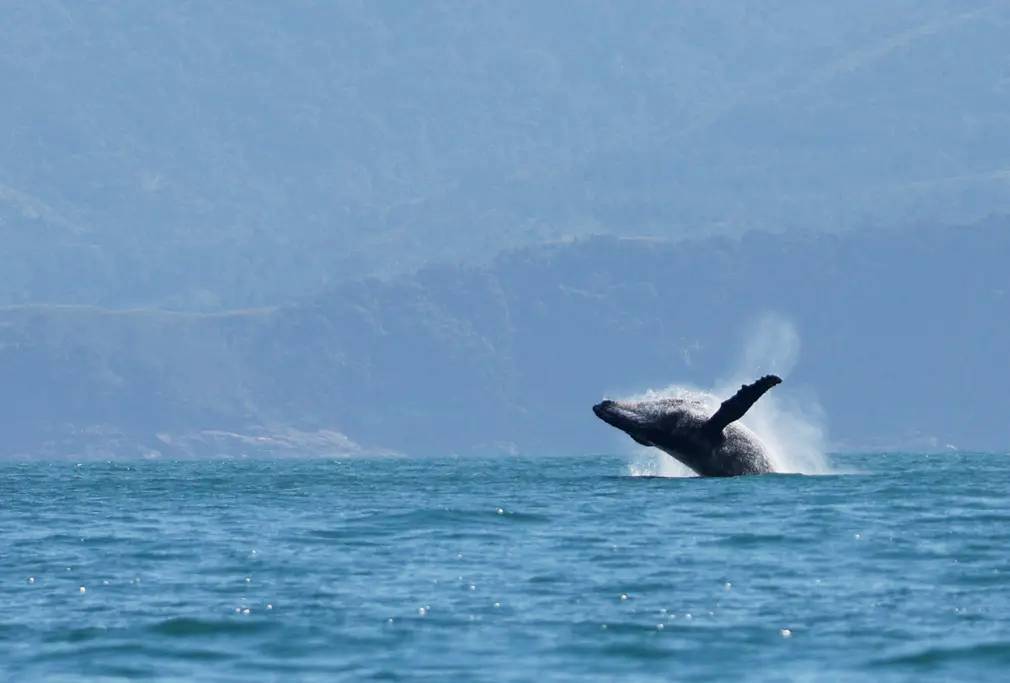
[(903, 342)]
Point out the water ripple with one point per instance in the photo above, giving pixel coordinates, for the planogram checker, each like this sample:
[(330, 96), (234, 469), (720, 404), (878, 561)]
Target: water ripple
[(521, 569)]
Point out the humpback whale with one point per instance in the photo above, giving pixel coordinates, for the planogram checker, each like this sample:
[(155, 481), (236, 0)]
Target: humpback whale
[(711, 445)]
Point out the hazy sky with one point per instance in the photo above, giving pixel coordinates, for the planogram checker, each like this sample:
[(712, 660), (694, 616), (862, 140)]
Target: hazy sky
[(206, 155)]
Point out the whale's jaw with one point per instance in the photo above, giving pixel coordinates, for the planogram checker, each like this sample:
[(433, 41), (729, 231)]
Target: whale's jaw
[(620, 417), (615, 415), (602, 410)]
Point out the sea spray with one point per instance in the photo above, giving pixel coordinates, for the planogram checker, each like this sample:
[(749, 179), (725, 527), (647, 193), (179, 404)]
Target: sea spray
[(650, 462), (793, 430)]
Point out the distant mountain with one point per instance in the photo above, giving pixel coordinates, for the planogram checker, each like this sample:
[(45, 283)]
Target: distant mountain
[(216, 155), (902, 339)]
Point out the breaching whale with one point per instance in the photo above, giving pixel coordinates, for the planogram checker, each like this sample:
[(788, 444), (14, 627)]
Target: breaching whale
[(711, 445)]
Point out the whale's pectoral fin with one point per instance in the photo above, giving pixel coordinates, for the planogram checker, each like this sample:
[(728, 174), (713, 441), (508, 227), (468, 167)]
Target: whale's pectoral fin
[(734, 408)]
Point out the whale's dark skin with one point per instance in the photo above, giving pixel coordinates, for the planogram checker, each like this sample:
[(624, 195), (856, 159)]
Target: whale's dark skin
[(711, 445)]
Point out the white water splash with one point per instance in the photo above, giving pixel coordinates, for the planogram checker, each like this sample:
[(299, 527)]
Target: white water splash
[(650, 462), (789, 422)]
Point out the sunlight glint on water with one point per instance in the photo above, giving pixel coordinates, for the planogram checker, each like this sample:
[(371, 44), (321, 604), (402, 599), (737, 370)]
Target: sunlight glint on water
[(547, 569)]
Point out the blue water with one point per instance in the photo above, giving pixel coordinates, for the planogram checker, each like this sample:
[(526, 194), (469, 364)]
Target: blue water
[(503, 570)]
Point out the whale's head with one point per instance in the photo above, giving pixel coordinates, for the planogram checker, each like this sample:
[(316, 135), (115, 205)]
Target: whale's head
[(652, 422), (637, 420), (619, 415)]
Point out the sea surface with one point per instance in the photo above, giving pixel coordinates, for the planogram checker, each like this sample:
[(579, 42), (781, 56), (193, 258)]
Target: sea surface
[(509, 569)]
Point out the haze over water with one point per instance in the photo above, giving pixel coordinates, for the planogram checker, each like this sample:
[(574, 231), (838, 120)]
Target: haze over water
[(503, 569)]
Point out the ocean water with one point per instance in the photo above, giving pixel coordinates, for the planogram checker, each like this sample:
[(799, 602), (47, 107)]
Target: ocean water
[(504, 569)]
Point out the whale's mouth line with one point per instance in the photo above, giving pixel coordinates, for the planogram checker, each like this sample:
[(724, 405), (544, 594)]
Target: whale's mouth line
[(609, 412), (621, 418), (601, 410)]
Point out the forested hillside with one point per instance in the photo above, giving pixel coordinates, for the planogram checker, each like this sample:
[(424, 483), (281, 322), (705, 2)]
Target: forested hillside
[(903, 338)]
